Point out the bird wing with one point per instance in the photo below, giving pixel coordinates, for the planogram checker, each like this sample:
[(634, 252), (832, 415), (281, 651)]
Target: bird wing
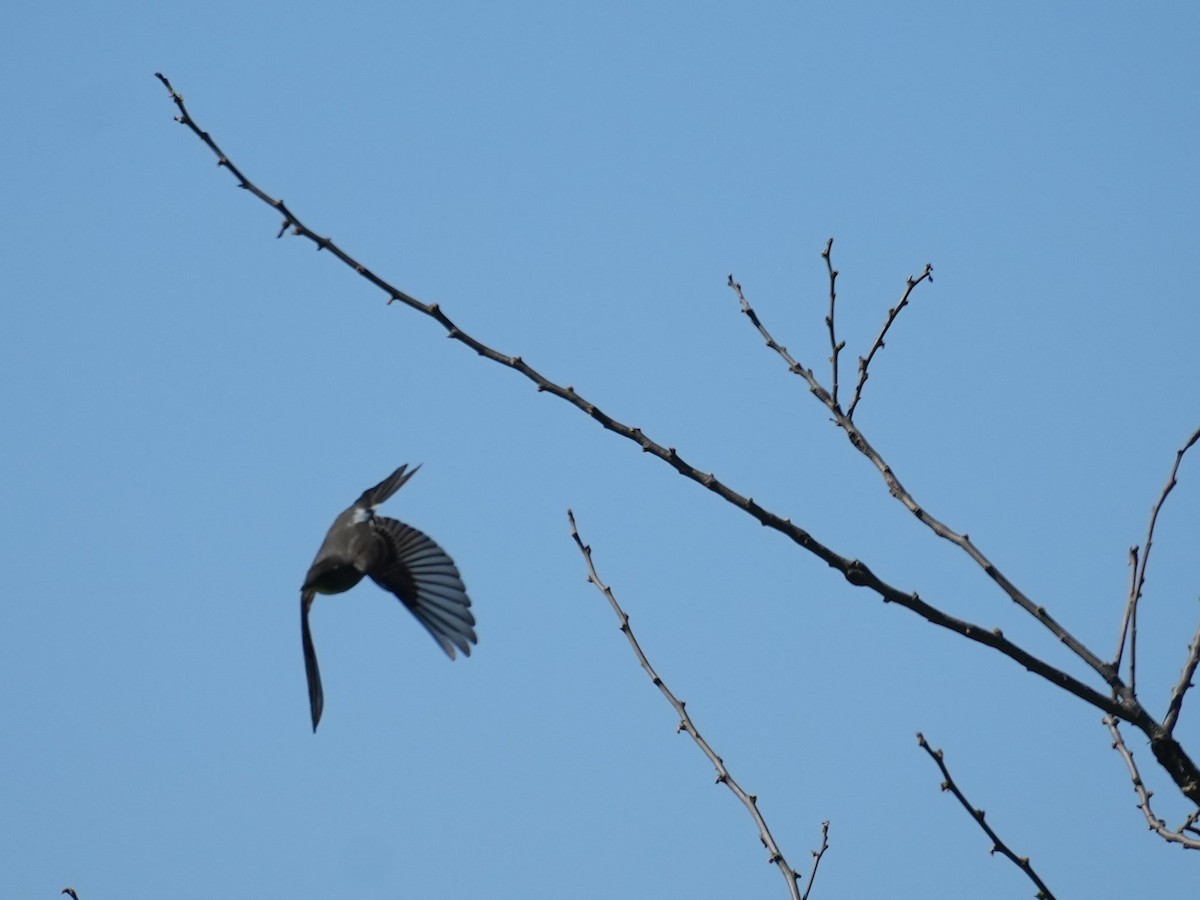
[(316, 696), (425, 579)]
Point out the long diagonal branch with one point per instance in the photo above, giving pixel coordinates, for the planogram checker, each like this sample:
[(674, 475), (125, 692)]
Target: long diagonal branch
[(1170, 754), (750, 801)]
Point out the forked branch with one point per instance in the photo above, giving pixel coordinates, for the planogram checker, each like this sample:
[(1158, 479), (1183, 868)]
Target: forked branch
[(860, 442), (864, 362)]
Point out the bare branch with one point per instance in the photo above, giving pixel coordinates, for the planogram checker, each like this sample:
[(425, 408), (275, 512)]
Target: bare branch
[(998, 846), (963, 541), (817, 855), (836, 348), (814, 386), (1156, 824), (1184, 683), (1133, 644), (1139, 580), (1168, 751), (1190, 823), (1166, 491), (1127, 618), (750, 801), (864, 362)]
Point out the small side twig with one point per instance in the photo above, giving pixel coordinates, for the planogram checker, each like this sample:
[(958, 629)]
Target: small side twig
[(750, 801), (998, 846), (1128, 622), (1190, 823), (1139, 577), (835, 346), (1144, 794), (864, 362), (1181, 687), (817, 854)]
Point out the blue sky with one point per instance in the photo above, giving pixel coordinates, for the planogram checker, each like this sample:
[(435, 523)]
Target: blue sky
[(189, 402)]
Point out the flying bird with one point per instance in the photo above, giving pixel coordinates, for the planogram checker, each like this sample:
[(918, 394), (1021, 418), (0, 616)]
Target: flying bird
[(399, 559)]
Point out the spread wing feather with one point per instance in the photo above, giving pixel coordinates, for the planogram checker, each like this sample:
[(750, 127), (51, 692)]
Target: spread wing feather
[(423, 576)]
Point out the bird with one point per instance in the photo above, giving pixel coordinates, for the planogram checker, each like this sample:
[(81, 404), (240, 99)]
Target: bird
[(71, 892), (397, 557)]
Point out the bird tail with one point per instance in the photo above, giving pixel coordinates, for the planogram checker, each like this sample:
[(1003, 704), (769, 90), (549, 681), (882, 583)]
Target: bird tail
[(316, 696), (373, 497)]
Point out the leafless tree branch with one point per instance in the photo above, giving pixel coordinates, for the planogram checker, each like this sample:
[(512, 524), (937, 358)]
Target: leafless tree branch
[(817, 856), (963, 541), (998, 846), (864, 362), (1136, 589), (834, 344), (750, 801), (1182, 686), (1127, 622), (1144, 794), (1168, 752)]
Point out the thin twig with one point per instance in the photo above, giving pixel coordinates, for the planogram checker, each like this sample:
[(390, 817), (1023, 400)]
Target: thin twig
[(1170, 754), (817, 854), (836, 347), (1166, 491), (1139, 584), (1182, 686), (1190, 823), (864, 362), (750, 801), (1133, 645), (963, 541), (998, 846), (1127, 617), (1144, 794), (1166, 749)]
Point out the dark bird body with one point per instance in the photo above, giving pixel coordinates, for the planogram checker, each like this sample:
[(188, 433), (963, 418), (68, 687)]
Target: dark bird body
[(399, 559)]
